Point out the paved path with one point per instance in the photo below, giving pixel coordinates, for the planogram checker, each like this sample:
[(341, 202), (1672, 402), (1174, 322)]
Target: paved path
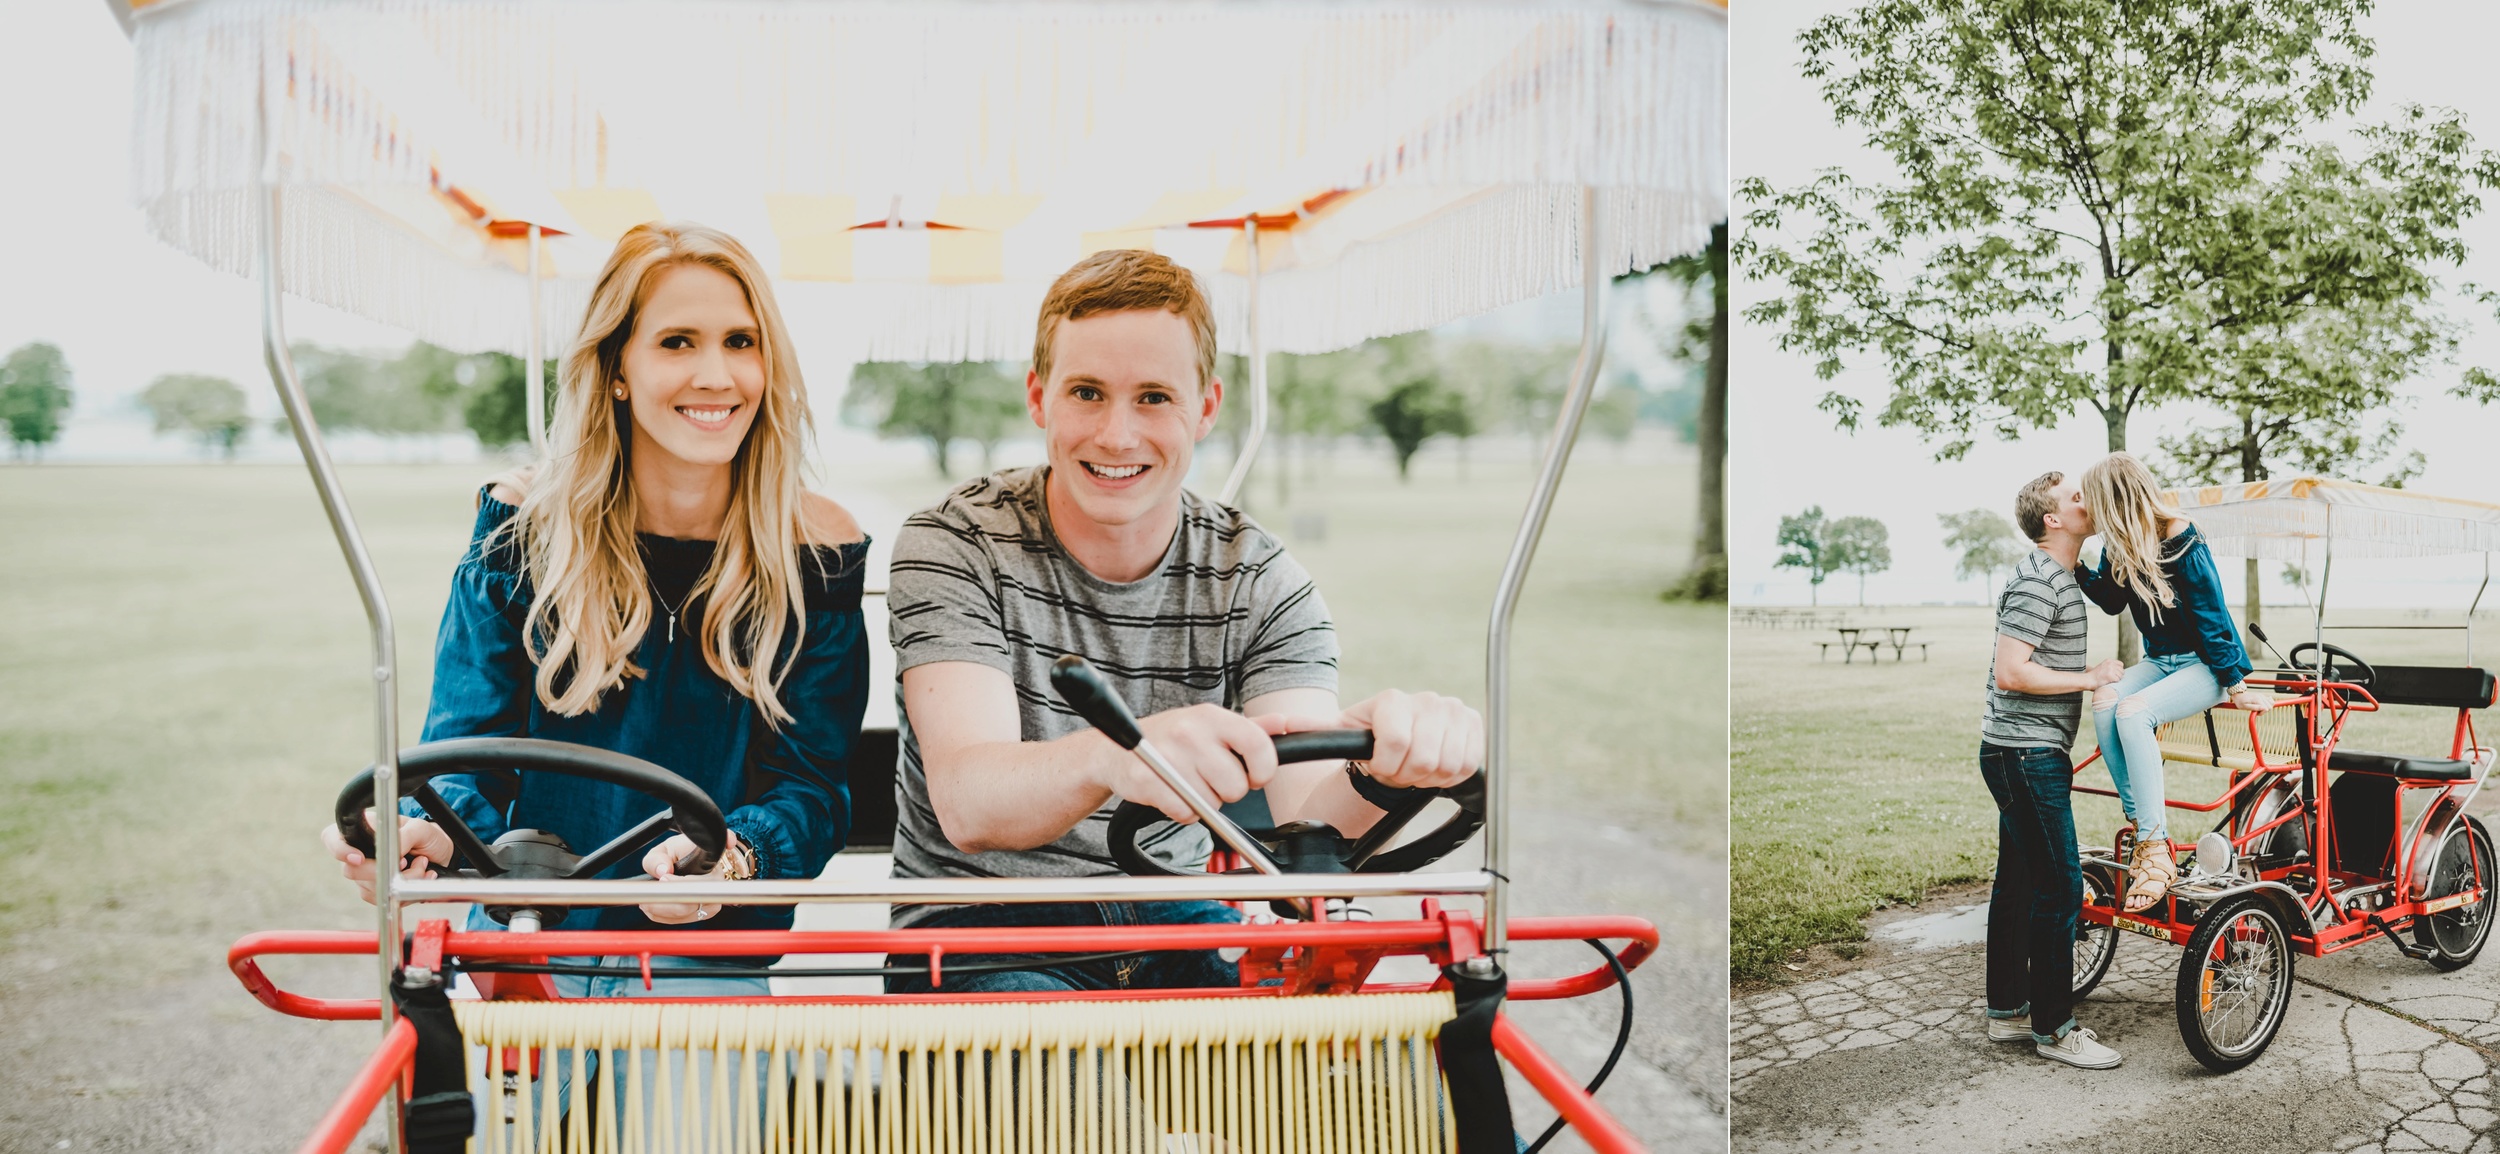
[(2379, 1053)]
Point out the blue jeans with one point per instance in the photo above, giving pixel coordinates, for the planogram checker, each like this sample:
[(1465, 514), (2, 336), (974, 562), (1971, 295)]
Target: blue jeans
[(2155, 692), (1162, 970), (2038, 896)]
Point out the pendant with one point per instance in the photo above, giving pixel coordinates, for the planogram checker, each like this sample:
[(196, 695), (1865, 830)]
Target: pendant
[(672, 629)]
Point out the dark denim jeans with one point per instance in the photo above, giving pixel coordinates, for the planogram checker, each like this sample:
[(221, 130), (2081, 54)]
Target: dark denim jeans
[(1165, 970), (2038, 895)]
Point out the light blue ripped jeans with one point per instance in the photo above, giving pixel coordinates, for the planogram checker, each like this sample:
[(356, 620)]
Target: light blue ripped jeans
[(2152, 693)]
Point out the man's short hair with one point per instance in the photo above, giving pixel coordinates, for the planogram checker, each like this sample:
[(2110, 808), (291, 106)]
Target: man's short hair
[(1119, 280), (2033, 505)]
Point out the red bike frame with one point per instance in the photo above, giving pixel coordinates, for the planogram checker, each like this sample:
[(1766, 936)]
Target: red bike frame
[(2328, 704), (1324, 958)]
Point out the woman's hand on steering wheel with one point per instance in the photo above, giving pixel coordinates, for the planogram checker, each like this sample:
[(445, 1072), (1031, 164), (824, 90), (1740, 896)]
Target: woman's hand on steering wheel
[(422, 844), (661, 864), (1419, 740)]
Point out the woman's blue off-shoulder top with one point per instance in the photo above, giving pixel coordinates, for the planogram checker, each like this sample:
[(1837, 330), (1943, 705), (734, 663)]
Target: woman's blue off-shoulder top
[(2198, 626), (784, 791)]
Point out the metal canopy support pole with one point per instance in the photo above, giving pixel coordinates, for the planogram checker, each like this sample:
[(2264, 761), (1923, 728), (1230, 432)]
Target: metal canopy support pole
[(299, 417), (535, 392), (1594, 284), (2326, 575), (1258, 372), (2477, 603)]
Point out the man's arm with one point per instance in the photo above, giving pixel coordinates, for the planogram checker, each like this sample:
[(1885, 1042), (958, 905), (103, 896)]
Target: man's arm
[(2016, 672), (993, 790)]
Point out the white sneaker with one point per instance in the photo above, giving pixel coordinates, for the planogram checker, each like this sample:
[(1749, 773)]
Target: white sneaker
[(2010, 1029), (2078, 1048)]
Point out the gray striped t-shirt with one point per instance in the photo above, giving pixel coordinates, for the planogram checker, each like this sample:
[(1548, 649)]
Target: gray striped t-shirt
[(2043, 606), (1226, 617)]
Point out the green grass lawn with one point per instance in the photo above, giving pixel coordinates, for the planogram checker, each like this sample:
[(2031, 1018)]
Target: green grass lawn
[(182, 692), (1857, 786)]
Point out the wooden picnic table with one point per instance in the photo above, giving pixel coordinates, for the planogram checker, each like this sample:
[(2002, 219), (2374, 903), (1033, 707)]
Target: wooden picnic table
[(1855, 637), (1899, 637), (1849, 644)]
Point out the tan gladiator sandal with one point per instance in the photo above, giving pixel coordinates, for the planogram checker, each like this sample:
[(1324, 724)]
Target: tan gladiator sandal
[(2149, 875)]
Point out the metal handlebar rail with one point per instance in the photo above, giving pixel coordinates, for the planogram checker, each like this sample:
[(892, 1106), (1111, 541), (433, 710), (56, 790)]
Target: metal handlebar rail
[(1446, 938)]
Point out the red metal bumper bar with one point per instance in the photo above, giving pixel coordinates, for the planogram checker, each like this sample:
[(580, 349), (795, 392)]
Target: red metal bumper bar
[(1587, 1119), (355, 1104), (1449, 939)]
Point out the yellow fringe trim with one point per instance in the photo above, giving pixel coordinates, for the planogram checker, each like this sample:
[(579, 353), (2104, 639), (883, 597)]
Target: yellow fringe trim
[(1336, 1075)]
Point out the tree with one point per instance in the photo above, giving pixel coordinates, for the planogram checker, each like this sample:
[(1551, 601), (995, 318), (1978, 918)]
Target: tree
[(34, 392), (416, 392), (1806, 543), (210, 408), (1859, 545), (1311, 397), (2105, 206), (1986, 543), (2308, 410), (939, 403), (497, 406), (1706, 580), (1416, 411)]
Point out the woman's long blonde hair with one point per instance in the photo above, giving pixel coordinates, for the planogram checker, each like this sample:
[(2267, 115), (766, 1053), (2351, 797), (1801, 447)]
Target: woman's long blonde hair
[(2130, 511), (592, 596)]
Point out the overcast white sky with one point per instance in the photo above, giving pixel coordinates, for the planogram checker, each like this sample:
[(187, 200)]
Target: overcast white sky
[(1785, 455)]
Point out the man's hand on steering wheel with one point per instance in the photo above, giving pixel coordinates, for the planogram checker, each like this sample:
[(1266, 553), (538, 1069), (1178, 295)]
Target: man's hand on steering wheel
[(422, 844), (1419, 740), (1225, 754)]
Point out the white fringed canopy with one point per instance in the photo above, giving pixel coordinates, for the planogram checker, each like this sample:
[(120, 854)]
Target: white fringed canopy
[(2278, 520), (916, 174)]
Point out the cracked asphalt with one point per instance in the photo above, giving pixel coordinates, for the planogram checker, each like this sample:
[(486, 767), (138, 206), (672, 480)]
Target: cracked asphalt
[(2377, 1053)]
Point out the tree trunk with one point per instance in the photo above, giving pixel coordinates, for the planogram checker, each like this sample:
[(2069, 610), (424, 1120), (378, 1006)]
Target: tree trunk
[(1710, 552), (2130, 646), (2252, 468)]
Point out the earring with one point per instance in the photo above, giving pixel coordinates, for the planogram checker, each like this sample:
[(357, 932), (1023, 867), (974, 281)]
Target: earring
[(620, 392)]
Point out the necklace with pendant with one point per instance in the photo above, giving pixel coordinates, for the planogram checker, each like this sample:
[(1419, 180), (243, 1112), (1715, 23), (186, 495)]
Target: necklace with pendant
[(672, 609)]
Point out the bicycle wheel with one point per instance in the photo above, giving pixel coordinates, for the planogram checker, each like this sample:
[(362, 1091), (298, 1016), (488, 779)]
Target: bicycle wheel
[(2455, 936), (2096, 946), (2235, 982)]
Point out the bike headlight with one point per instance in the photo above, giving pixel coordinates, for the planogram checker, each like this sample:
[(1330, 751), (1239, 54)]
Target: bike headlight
[(2214, 855)]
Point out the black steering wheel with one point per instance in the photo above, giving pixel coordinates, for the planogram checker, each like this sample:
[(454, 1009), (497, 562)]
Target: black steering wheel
[(2347, 667), (1316, 846), (537, 854)]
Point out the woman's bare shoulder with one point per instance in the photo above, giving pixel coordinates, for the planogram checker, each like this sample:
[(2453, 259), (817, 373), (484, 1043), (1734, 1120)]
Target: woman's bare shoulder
[(828, 523), (511, 486)]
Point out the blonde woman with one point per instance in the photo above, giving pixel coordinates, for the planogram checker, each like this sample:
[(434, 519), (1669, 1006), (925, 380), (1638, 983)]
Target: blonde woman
[(2155, 566), (662, 586)]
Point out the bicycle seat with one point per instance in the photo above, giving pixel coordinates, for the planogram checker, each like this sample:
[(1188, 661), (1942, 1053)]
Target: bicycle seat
[(2394, 765)]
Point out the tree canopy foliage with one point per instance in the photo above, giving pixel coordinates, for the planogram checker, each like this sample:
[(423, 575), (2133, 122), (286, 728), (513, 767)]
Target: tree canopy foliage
[(1984, 543), (497, 404), (1859, 545), (35, 384), (209, 408), (2111, 205), (939, 403), (1805, 543)]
